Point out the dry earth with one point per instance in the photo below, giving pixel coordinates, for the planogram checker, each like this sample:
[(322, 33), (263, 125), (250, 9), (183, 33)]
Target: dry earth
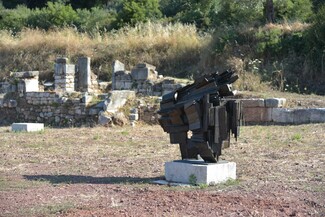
[(107, 172)]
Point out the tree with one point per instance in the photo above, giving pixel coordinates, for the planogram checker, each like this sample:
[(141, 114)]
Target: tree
[(135, 11)]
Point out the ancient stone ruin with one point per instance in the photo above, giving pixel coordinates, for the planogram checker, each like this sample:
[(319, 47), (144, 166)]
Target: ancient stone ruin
[(143, 79), (75, 97)]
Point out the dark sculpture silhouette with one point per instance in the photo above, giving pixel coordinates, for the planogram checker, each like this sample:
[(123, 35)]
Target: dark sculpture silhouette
[(202, 110)]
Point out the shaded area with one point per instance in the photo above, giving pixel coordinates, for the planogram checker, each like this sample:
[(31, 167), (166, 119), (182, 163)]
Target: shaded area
[(76, 179)]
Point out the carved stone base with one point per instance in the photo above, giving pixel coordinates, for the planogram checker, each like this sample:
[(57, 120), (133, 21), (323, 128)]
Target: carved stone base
[(199, 172), (28, 127)]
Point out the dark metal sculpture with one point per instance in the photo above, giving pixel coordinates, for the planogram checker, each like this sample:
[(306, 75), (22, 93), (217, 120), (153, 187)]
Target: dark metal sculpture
[(200, 109)]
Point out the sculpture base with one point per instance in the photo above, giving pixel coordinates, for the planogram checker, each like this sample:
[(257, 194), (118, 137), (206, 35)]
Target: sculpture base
[(28, 127), (199, 172)]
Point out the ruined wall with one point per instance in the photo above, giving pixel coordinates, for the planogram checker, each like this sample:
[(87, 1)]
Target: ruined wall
[(48, 107)]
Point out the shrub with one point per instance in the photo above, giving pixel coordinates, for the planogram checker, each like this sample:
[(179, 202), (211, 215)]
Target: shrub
[(55, 14), (137, 11), (14, 20)]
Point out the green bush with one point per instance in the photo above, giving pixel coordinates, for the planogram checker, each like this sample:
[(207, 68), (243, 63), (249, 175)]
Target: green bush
[(315, 45), (94, 20), (292, 9), (55, 14), (14, 20), (137, 11)]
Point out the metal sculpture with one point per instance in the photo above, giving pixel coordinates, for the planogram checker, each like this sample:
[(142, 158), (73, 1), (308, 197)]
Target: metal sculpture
[(200, 118)]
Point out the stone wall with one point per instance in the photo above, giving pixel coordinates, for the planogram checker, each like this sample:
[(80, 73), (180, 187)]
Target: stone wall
[(52, 108), (263, 111)]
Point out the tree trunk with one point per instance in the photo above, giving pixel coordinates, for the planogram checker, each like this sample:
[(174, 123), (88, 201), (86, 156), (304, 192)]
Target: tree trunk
[(269, 11)]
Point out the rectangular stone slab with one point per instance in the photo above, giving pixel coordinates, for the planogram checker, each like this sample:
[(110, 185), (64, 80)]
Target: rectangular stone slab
[(189, 171), (28, 127)]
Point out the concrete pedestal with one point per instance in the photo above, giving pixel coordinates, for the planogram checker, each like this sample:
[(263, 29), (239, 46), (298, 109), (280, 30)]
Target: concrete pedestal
[(199, 172), (28, 127)]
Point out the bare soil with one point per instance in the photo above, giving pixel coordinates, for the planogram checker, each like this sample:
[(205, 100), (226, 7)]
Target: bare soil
[(108, 172)]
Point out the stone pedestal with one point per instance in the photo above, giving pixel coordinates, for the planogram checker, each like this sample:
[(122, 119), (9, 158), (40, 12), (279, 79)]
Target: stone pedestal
[(28, 127), (199, 172)]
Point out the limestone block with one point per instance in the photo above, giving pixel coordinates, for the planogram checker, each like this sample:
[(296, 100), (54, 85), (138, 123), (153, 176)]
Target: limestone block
[(198, 172), (146, 65), (282, 115), (134, 117), (317, 115), (257, 114), (248, 103), (301, 116), (62, 60), (275, 102), (117, 99), (118, 66), (140, 73), (104, 118), (28, 127), (84, 75)]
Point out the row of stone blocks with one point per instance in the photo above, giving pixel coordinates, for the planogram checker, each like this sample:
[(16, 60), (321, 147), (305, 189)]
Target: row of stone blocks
[(271, 110)]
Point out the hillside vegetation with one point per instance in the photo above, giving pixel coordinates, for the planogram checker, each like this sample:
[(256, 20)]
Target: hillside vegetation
[(183, 38)]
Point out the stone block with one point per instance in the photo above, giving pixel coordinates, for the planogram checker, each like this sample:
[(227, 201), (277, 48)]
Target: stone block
[(134, 117), (28, 127), (140, 73), (118, 66), (84, 74), (301, 116), (117, 99), (62, 60), (146, 65), (257, 114), (198, 172), (317, 115), (248, 103), (282, 115), (275, 102)]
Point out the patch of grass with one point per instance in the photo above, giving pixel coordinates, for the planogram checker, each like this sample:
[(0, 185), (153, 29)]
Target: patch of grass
[(48, 210), (7, 184), (125, 133), (296, 137), (192, 179)]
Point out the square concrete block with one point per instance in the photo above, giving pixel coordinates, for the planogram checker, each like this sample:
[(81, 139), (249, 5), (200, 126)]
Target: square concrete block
[(189, 171), (28, 127), (275, 102), (317, 115), (248, 103), (257, 114), (281, 115), (301, 116)]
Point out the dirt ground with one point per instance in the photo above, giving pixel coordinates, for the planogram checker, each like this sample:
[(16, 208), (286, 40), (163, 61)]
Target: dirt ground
[(108, 172)]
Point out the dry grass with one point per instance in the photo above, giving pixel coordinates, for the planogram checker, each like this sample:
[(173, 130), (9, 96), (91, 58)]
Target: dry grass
[(287, 27), (166, 46)]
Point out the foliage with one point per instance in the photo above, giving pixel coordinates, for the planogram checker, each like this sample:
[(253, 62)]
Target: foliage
[(138, 11), (292, 9), (14, 20), (95, 19), (54, 15), (234, 12), (315, 46)]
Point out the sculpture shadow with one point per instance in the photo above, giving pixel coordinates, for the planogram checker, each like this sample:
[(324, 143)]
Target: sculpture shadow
[(76, 179)]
